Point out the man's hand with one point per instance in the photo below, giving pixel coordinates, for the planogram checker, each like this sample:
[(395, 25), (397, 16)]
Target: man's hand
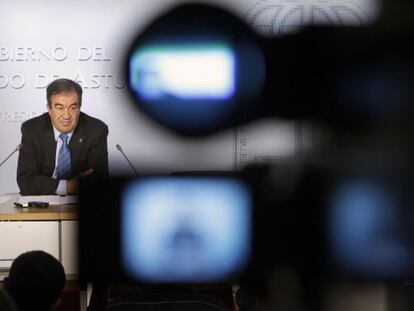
[(85, 173), (72, 185)]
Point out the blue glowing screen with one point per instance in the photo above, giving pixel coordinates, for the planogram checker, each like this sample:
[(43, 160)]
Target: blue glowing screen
[(189, 229), (371, 230), (183, 71)]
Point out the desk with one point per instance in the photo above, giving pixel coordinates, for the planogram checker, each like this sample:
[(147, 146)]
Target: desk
[(52, 229)]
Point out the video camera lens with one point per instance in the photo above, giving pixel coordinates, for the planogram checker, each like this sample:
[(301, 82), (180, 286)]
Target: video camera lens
[(196, 70)]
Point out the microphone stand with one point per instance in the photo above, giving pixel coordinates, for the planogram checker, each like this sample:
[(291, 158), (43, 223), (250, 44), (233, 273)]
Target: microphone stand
[(126, 158), (14, 151)]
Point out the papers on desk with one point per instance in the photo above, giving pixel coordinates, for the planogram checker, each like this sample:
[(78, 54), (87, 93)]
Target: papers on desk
[(4, 198), (51, 199)]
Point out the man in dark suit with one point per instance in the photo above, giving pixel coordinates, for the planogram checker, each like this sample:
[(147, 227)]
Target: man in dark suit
[(61, 145)]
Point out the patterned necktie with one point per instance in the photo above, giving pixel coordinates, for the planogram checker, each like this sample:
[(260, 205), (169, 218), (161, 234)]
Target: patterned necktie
[(63, 167)]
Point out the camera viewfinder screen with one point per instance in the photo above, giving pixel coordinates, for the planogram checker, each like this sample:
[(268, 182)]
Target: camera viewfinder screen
[(371, 229), (184, 72), (185, 229)]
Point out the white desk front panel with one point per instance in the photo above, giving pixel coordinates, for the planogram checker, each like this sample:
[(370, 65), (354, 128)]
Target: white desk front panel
[(17, 237), (70, 246)]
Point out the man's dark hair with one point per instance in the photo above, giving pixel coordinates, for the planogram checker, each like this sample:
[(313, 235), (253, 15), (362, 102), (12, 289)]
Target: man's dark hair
[(60, 86), (35, 281)]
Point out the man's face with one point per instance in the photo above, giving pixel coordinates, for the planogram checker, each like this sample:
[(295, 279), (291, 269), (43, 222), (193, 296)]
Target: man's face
[(64, 111)]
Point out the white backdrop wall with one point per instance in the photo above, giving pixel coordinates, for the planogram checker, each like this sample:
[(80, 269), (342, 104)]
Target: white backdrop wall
[(86, 41)]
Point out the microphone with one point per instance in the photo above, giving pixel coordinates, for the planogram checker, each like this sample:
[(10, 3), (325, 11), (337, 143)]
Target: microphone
[(126, 158), (14, 151)]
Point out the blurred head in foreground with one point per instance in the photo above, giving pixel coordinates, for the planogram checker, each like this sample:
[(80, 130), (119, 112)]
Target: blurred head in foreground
[(35, 281)]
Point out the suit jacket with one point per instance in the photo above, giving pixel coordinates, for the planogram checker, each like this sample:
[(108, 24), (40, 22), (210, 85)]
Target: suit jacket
[(88, 147)]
